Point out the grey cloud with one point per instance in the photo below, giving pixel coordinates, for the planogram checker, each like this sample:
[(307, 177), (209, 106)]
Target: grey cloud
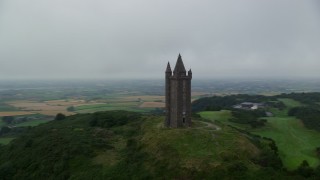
[(120, 38)]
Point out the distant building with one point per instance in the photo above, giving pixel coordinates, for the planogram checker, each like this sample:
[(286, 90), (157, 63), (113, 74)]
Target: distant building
[(249, 106), (178, 96)]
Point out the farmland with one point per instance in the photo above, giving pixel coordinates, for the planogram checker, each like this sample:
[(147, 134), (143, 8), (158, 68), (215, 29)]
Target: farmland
[(295, 142), (47, 99), (15, 113)]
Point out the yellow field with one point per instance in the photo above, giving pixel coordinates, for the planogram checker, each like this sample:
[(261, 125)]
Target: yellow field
[(15, 113), (50, 108), (198, 93), (54, 107), (143, 98), (152, 105), (65, 103)]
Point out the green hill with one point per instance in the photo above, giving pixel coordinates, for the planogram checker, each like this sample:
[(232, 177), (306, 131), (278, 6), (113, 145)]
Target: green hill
[(294, 124), (128, 145)]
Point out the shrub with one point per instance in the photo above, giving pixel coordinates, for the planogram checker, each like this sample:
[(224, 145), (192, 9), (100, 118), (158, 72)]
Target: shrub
[(60, 116)]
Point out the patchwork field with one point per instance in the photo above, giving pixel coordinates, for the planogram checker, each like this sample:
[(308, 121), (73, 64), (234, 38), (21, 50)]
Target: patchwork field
[(142, 98), (118, 100), (50, 108)]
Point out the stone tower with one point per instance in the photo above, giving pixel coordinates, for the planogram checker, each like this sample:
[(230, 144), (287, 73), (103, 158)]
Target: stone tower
[(178, 96)]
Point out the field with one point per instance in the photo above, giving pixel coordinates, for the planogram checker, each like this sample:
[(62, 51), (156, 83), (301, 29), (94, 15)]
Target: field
[(221, 116), (152, 105), (129, 106), (50, 108), (31, 123), (295, 142), (116, 101), (15, 113), (6, 107), (290, 102), (5, 140)]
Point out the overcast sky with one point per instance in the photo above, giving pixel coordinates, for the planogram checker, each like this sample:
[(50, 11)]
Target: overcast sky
[(136, 38)]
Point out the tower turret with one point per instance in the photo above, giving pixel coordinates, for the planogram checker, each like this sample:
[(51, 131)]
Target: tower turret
[(178, 96), (168, 70), (190, 73), (167, 91)]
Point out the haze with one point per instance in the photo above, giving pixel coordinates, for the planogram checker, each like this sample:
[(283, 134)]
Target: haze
[(113, 39)]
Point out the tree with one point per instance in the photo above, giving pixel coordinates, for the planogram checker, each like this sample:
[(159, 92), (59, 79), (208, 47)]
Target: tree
[(60, 116), (71, 109), (305, 170), (318, 151), (8, 119), (5, 130)]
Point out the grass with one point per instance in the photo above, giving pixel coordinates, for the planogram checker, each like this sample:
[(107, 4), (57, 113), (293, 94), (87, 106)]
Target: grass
[(5, 140), (295, 142), (97, 106), (221, 116), (290, 103), (197, 145), (6, 107), (134, 109), (31, 123), (128, 106), (2, 123)]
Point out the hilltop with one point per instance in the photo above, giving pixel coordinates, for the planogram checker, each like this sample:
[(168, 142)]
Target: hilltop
[(123, 145)]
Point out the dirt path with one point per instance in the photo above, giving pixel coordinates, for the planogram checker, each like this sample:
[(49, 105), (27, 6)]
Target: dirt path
[(210, 125)]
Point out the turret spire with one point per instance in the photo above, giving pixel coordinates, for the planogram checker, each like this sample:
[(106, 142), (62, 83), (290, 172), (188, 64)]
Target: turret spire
[(168, 68), (179, 65)]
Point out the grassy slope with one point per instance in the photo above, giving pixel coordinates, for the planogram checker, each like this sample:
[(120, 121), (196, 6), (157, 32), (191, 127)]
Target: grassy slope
[(199, 143), (295, 142), (222, 116), (71, 148), (129, 106), (31, 123), (5, 140)]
